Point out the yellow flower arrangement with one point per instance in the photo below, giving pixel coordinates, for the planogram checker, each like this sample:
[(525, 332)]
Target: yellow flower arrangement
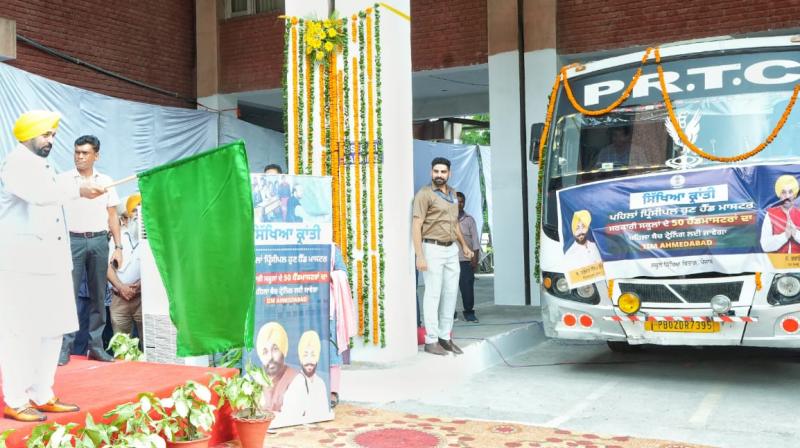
[(323, 37)]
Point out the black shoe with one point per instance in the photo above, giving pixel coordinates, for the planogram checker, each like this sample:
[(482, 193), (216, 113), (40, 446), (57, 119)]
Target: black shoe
[(99, 355), (471, 318), (63, 358)]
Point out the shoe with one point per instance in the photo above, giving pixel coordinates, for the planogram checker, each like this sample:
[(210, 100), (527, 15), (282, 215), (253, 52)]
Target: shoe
[(24, 414), (56, 405), (334, 399), (63, 358), (471, 318), (450, 346), (99, 355), (455, 316), (435, 349)]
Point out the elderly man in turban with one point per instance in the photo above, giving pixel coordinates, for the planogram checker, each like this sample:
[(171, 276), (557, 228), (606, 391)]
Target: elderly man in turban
[(582, 252), (125, 279), (306, 399), (272, 344), (779, 231), (36, 299)]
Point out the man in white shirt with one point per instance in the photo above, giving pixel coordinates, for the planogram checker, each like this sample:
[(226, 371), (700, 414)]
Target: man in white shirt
[(89, 222), (779, 232), (37, 303), (582, 252), (306, 400), (125, 279)]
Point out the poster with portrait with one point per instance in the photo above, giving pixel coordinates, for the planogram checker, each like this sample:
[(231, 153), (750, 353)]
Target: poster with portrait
[(293, 262), (729, 220)]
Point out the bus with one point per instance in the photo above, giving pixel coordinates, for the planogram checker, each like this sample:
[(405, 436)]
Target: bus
[(668, 208)]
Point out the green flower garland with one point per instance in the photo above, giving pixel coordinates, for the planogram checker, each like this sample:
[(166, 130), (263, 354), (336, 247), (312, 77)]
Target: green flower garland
[(312, 80), (379, 141), (299, 95), (362, 87), (284, 87), (348, 152)]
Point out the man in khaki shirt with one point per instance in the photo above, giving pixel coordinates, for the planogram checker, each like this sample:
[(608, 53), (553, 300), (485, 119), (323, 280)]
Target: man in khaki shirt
[(435, 231)]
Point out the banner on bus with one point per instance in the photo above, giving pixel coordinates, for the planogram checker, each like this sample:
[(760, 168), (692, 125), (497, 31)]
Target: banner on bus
[(728, 220)]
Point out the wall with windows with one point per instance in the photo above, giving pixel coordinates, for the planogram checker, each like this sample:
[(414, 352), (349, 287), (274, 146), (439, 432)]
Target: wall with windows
[(152, 41), (584, 26)]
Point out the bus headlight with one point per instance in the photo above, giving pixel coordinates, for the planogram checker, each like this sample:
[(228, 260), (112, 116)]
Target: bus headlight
[(788, 286), (721, 304), (785, 290), (629, 303), (586, 291), (561, 285)]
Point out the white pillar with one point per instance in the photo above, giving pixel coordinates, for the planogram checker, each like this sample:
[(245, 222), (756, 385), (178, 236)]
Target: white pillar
[(399, 302)]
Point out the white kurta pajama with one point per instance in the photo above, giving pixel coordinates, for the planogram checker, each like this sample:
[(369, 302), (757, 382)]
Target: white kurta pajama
[(36, 300)]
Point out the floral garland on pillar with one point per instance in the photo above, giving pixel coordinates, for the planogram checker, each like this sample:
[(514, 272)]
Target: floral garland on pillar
[(285, 87), (299, 57), (364, 184), (379, 137)]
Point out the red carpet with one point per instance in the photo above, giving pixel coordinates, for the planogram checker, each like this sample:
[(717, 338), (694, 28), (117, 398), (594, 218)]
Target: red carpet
[(97, 387)]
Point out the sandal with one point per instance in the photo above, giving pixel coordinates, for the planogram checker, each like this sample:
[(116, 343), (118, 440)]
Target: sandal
[(334, 399)]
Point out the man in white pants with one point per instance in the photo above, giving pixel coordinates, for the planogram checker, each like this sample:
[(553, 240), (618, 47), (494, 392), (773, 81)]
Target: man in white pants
[(37, 305), (435, 231)]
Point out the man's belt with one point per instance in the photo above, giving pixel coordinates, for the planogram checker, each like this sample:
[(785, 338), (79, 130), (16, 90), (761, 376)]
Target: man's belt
[(88, 234), (437, 242)]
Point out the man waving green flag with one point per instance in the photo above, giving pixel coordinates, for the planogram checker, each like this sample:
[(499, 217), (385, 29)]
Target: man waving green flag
[(198, 215)]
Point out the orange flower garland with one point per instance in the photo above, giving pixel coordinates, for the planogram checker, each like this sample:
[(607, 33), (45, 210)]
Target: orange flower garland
[(688, 143), (334, 147), (373, 246), (322, 95), (610, 288), (343, 166), (295, 101), (309, 116), (758, 281)]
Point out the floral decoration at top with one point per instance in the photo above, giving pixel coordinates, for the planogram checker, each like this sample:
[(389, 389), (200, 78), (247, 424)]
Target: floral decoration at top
[(323, 37)]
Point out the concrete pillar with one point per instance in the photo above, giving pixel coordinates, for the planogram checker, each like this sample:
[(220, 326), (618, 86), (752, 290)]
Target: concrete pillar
[(8, 39), (399, 302), (507, 142)]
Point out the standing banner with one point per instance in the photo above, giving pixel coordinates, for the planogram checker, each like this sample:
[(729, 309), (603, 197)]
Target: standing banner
[(293, 232), (728, 220)]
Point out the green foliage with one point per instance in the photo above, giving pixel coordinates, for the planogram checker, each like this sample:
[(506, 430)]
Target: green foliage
[(144, 416), (3, 436), (189, 412), (476, 136), (231, 358), (243, 392), (52, 435), (125, 347)]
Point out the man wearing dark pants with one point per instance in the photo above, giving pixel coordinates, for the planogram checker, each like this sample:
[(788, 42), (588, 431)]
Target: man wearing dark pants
[(89, 222), (466, 281)]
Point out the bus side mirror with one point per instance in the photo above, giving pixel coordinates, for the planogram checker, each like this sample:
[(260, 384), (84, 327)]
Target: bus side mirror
[(536, 138)]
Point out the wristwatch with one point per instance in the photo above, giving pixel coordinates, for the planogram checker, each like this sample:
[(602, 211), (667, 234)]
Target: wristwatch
[(117, 246)]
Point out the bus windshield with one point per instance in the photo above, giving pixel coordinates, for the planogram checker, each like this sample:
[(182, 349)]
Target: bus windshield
[(641, 139)]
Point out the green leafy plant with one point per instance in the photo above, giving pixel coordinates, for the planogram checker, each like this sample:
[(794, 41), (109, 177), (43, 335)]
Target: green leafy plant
[(243, 392), (52, 435), (231, 358), (3, 436), (144, 416), (189, 413), (125, 347)]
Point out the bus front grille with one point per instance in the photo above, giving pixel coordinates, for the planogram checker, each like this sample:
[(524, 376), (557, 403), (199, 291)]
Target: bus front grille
[(682, 292)]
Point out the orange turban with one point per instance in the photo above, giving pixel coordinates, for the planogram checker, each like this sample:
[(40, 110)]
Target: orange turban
[(35, 123), (133, 201)]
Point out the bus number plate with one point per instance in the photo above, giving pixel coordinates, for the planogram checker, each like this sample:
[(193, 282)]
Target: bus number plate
[(682, 326)]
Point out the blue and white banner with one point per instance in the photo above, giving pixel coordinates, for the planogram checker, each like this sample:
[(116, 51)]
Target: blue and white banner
[(728, 220)]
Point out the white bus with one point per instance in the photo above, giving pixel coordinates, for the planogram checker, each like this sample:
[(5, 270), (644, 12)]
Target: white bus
[(674, 220)]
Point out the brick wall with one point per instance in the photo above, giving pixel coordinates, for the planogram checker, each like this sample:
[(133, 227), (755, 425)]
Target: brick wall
[(590, 25), (152, 41), (448, 33), (251, 52)]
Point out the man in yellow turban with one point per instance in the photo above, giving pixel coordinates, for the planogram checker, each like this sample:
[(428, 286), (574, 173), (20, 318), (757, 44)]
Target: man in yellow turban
[(37, 305), (582, 252), (779, 231), (125, 278), (272, 344), (306, 399)]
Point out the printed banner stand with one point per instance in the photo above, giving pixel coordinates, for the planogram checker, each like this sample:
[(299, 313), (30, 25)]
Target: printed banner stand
[(293, 235)]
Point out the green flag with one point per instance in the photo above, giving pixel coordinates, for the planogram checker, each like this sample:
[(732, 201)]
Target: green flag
[(198, 215)]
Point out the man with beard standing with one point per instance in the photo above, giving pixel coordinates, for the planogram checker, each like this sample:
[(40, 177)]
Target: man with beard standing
[(435, 231), (306, 399), (272, 344), (89, 223), (779, 231), (582, 252), (125, 279), (37, 304)]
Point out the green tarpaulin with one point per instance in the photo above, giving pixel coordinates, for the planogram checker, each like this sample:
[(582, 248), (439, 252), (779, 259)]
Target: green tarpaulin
[(198, 216)]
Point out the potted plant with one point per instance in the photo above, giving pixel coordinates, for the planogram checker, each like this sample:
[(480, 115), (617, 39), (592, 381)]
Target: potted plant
[(189, 416), (3, 436), (138, 424), (125, 347), (243, 392)]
